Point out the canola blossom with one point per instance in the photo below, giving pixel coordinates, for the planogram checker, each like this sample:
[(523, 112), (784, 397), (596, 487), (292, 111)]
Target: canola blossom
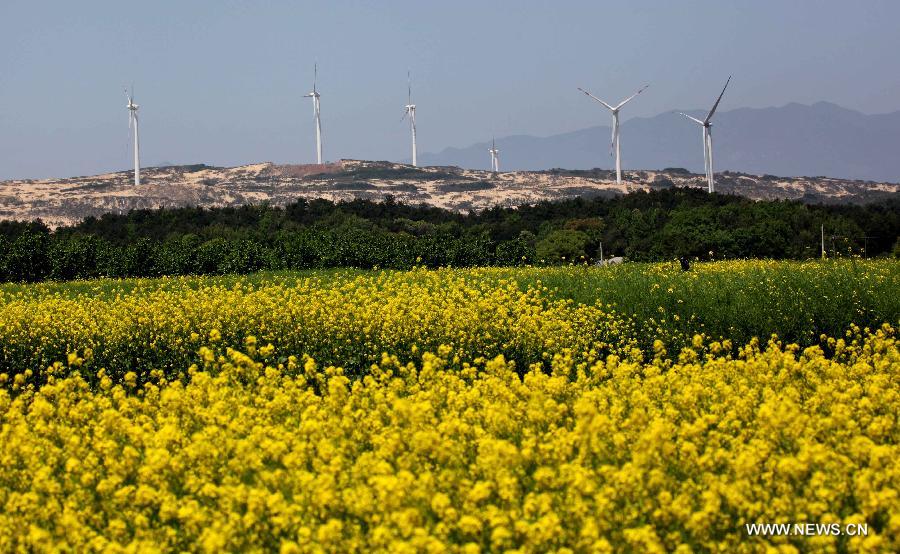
[(349, 318), (621, 454), (482, 410), (348, 322)]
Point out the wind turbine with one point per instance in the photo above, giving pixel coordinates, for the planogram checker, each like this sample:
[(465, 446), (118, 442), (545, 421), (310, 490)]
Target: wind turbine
[(133, 124), (707, 139), (495, 157), (315, 96), (411, 112), (615, 127)]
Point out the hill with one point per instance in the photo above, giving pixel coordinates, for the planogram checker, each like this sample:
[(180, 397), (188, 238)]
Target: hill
[(67, 201)]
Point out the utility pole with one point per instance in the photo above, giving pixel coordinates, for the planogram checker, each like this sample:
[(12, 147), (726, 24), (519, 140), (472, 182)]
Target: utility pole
[(823, 241)]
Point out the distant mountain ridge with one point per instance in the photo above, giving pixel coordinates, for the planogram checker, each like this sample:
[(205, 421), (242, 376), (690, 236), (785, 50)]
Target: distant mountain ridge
[(792, 140)]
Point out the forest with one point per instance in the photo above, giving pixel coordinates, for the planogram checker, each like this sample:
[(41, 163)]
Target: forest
[(641, 226)]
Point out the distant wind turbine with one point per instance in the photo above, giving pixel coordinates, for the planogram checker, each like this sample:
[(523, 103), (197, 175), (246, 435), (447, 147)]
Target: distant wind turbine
[(707, 139), (133, 124), (315, 96), (411, 112), (615, 127), (495, 157)]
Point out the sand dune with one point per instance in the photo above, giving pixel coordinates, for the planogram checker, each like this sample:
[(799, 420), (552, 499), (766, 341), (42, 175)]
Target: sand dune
[(66, 201)]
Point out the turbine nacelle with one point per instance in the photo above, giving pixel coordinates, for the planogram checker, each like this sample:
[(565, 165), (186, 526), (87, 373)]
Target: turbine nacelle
[(130, 96)]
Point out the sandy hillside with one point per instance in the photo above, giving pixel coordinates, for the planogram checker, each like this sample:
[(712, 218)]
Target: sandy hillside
[(65, 201)]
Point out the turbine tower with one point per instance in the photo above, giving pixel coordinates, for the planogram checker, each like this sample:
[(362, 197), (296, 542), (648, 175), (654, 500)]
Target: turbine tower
[(315, 96), (495, 156), (411, 112), (707, 139), (615, 127), (133, 124)]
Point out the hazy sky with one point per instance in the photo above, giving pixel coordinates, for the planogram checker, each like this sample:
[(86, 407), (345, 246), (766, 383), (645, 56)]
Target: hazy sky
[(221, 82)]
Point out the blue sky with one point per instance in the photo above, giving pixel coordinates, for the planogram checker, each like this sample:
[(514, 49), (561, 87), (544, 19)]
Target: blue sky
[(221, 82)]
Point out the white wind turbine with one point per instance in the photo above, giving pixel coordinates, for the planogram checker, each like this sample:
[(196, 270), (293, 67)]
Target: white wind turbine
[(315, 96), (615, 127), (133, 124), (707, 139), (411, 112), (495, 157)]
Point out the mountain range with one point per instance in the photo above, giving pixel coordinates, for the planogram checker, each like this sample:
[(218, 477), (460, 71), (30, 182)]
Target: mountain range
[(792, 140)]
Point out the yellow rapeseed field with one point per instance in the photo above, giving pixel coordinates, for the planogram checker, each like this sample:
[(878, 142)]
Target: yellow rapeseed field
[(429, 411), (350, 320)]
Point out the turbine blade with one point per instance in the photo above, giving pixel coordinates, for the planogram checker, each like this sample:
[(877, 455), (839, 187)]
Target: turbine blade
[(597, 99), (315, 75), (719, 99), (691, 118), (623, 102)]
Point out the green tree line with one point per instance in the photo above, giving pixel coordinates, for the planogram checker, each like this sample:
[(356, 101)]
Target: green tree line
[(645, 226)]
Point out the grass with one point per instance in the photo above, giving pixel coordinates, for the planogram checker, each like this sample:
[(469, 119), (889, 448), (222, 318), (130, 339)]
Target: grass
[(798, 301)]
